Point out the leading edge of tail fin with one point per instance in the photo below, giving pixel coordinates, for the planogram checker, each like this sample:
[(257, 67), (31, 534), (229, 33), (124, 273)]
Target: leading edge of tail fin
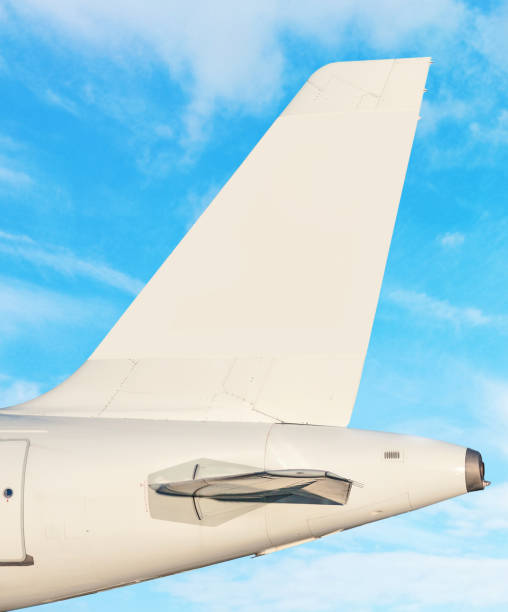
[(264, 310)]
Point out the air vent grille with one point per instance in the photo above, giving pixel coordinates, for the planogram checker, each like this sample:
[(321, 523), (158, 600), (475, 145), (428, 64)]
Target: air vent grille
[(392, 454)]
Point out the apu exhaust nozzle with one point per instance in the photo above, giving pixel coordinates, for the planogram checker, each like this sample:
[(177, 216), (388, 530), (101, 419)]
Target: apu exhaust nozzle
[(475, 471)]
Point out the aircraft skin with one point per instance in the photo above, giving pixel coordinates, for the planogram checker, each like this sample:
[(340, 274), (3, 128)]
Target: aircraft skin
[(87, 521), (130, 471)]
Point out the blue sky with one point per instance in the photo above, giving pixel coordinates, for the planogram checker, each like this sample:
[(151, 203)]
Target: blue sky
[(119, 121)]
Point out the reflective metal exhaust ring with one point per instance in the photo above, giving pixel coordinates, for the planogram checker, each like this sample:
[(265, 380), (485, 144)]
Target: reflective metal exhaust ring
[(475, 471)]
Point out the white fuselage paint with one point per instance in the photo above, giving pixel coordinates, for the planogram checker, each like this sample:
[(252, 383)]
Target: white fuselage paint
[(87, 523)]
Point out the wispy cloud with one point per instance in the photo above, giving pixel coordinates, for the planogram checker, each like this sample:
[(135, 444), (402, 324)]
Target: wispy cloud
[(423, 305), (65, 262), (195, 203), (218, 67), (354, 581), (493, 411), (220, 62), (14, 177), (496, 133), (61, 101), (10, 174), (163, 131), (442, 108), (14, 391), (491, 27), (25, 306), (451, 239), (479, 516), (9, 144)]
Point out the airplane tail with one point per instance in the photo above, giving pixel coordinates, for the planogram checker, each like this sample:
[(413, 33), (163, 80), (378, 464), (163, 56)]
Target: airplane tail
[(263, 312)]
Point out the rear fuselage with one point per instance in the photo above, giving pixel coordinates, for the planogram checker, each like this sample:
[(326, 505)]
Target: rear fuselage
[(86, 519)]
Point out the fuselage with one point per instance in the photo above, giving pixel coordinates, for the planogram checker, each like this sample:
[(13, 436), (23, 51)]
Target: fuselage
[(86, 519)]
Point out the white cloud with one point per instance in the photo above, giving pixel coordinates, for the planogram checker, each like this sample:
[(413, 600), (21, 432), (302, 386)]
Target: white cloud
[(496, 133), (440, 108), (222, 54), (493, 411), (8, 143), (491, 36), (14, 177), (195, 203), (25, 307), (351, 581), (423, 305), (16, 237), (61, 101), (225, 56), (479, 516), (14, 391), (164, 131), (9, 175), (64, 261), (451, 239)]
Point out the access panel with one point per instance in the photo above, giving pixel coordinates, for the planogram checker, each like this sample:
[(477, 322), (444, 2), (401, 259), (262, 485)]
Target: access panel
[(13, 455)]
